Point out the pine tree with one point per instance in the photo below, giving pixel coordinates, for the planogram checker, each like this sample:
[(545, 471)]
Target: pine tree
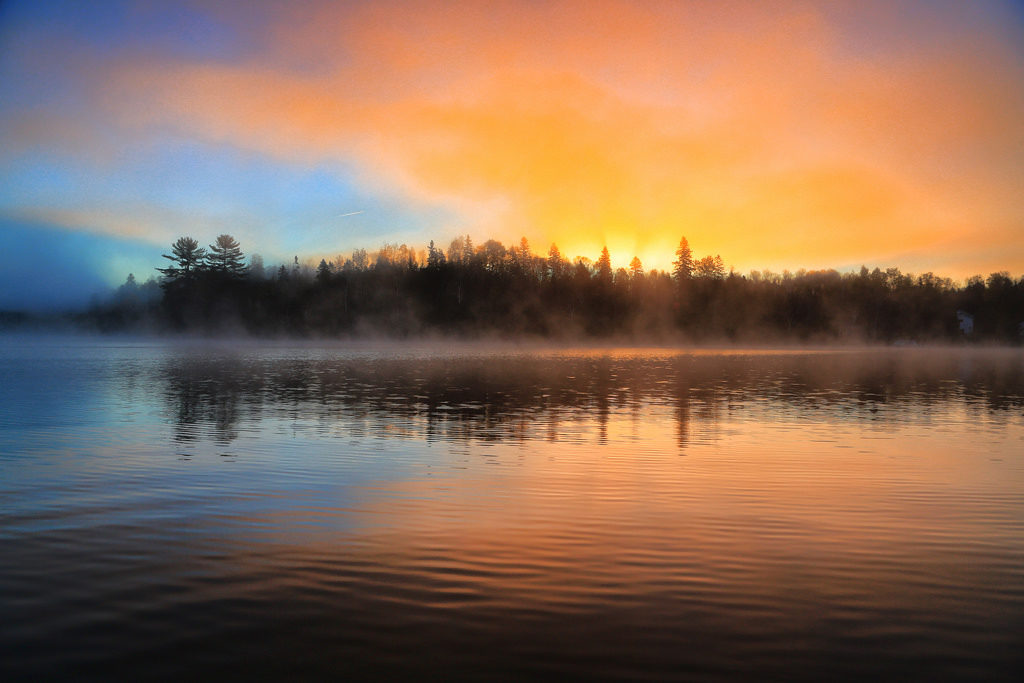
[(636, 269), (556, 264), (710, 268), (226, 257), (256, 269), (187, 257), (435, 256), (682, 267), (323, 272), (604, 265)]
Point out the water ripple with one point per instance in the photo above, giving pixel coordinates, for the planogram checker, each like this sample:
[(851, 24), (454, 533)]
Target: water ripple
[(312, 512)]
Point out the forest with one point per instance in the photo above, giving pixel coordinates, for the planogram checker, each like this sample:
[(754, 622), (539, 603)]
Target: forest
[(469, 290)]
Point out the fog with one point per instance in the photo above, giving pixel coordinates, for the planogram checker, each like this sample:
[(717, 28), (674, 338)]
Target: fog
[(493, 292), (47, 269)]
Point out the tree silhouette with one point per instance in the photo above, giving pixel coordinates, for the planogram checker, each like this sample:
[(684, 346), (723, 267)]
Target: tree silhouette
[(187, 257), (456, 250), (360, 259), (399, 290), (256, 269), (556, 264), (493, 254), (521, 257), (435, 256), (225, 257), (636, 269), (710, 268), (682, 267), (323, 272), (604, 266)]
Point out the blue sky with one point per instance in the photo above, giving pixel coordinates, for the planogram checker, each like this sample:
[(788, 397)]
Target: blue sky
[(103, 201)]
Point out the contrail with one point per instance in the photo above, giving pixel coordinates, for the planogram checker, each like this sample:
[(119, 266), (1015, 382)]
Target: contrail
[(349, 214)]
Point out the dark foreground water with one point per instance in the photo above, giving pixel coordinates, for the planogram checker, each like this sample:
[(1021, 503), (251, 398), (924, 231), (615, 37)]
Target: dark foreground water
[(181, 512)]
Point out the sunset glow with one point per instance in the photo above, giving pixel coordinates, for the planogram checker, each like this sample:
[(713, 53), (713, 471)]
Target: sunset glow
[(779, 135)]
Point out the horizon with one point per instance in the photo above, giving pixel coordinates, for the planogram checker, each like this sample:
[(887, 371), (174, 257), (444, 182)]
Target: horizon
[(781, 136), (24, 296), (75, 287)]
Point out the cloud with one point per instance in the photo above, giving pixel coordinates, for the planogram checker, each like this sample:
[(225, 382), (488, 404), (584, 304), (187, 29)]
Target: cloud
[(777, 134)]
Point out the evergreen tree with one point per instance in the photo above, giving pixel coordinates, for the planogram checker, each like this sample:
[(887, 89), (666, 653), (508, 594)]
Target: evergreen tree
[(682, 267), (409, 290), (710, 268), (604, 266), (187, 257), (435, 256), (636, 269), (128, 292), (521, 256), (226, 257), (556, 264), (256, 269), (323, 272)]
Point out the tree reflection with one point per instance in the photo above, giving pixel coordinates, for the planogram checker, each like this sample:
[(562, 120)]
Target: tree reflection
[(518, 398), (205, 398)]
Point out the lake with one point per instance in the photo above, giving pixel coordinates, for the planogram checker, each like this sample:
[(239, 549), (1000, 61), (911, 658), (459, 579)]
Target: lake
[(179, 510)]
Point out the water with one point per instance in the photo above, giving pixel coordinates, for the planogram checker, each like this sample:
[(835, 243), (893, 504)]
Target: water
[(173, 511)]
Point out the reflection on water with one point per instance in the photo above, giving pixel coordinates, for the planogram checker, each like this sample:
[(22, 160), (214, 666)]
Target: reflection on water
[(553, 396), (314, 511)]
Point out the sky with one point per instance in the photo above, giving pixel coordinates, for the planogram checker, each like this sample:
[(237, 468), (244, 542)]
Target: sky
[(780, 135)]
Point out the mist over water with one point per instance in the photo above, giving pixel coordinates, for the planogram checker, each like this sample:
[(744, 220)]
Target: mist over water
[(361, 511)]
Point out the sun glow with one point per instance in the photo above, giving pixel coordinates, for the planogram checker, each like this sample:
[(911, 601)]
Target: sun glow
[(775, 134)]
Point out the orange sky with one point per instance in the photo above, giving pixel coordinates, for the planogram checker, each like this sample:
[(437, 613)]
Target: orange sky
[(779, 135)]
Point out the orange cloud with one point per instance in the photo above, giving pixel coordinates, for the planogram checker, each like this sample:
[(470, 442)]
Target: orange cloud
[(760, 131)]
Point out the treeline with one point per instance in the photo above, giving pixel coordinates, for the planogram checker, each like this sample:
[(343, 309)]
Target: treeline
[(473, 290)]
